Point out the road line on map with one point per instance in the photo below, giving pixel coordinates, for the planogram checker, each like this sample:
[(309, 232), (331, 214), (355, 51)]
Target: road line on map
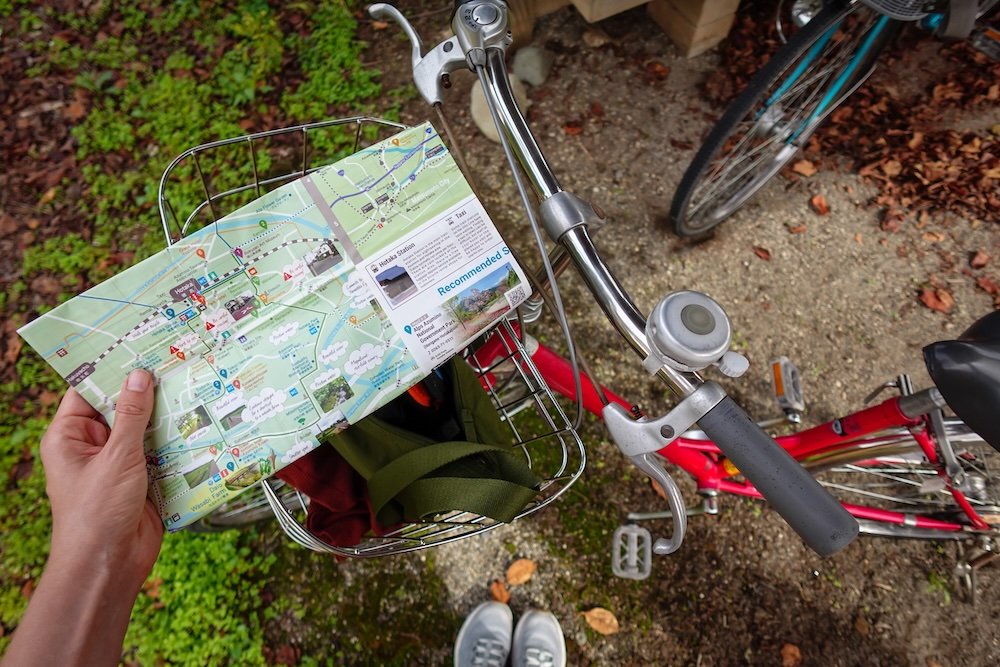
[(331, 220)]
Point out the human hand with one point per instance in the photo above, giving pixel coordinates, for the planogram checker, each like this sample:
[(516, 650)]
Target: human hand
[(96, 482)]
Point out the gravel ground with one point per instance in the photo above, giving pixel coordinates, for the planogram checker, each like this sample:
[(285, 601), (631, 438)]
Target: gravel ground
[(839, 298)]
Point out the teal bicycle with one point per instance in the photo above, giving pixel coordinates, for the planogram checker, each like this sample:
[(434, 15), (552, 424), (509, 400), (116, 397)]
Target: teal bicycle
[(822, 64)]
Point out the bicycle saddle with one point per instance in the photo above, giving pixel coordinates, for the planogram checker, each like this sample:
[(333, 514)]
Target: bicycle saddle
[(967, 373)]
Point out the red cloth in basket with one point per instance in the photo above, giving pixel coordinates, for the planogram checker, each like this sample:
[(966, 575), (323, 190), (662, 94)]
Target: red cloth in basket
[(340, 512)]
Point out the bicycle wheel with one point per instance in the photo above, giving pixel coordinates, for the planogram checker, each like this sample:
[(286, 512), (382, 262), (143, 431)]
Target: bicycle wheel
[(892, 474), (784, 103), (249, 508)]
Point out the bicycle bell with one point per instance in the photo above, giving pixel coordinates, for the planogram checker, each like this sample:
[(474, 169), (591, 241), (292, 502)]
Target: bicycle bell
[(688, 331)]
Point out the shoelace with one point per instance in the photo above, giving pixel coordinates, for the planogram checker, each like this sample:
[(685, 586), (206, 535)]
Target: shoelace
[(537, 657), (489, 653)]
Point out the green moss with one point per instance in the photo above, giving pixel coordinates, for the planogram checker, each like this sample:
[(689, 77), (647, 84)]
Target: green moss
[(202, 604)]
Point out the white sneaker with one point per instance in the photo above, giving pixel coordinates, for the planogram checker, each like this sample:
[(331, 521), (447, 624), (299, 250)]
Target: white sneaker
[(538, 641), (484, 639)]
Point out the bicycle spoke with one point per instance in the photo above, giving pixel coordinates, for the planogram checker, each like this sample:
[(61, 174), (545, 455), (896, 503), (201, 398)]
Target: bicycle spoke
[(763, 144)]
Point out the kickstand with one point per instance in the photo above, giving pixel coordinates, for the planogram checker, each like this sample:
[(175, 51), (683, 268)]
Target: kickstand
[(966, 571)]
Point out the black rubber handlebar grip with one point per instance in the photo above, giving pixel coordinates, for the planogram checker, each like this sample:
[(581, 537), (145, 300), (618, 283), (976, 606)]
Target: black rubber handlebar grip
[(814, 514)]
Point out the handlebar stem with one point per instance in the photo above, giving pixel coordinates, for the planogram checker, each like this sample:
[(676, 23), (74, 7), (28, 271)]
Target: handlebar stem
[(515, 128)]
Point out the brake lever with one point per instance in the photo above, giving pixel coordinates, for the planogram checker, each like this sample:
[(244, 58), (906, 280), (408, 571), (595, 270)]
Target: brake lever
[(385, 11), (428, 70), (678, 512)]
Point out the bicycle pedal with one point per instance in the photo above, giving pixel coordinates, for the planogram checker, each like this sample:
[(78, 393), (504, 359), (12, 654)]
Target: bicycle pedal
[(632, 552), (787, 385), (986, 40)]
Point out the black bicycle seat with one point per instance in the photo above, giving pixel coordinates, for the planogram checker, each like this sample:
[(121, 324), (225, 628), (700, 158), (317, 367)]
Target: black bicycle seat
[(967, 373)]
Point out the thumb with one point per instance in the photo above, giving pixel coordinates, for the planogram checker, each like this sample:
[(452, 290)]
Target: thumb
[(132, 411)]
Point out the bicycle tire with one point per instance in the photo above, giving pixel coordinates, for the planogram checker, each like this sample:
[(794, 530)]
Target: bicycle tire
[(250, 507), (817, 63), (894, 475)]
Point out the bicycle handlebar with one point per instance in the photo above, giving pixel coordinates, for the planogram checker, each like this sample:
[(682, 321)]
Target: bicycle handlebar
[(819, 519), (809, 509)]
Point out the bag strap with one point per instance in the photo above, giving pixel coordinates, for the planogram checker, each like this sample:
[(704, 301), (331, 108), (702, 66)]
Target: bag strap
[(504, 492)]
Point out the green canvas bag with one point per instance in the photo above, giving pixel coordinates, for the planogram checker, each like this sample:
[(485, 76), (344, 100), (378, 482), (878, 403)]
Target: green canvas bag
[(412, 477)]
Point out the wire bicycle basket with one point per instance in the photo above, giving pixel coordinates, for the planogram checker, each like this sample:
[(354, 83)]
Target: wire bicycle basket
[(198, 188)]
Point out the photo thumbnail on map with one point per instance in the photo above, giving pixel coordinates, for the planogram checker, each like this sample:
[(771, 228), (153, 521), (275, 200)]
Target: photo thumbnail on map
[(242, 305), (480, 304), (396, 284), (192, 424), (330, 395), (324, 258), (199, 470)]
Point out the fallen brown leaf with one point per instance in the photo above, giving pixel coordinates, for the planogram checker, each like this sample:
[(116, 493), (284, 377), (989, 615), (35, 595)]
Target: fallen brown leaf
[(791, 656), (573, 128), (763, 253), (47, 397), (988, 286), (14, 345), (520, 571), (76, 110), (797, 229), (657, 488), (804, 168), (915, 140), (892, 168), (48, 196), (819, 204), (979, 259), (601, 620), (380, 25), (657, 70), (933, 237), (28, 589), (499, 592), (938, 299)]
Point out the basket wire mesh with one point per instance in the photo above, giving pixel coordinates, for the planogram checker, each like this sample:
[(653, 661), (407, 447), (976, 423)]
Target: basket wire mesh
[(194, 192)]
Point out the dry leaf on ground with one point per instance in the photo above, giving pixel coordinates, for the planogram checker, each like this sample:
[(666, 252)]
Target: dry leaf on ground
[(892, 168), (938, 299), (791, 656), (797, 229), (933, 237), (818, 203), (601, 620), (979, 259), (763, 253), (499, 592), (804, 168), (573, 128), (520, 571)]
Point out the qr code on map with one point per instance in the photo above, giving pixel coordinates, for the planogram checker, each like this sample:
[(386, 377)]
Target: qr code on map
[(516, 296)]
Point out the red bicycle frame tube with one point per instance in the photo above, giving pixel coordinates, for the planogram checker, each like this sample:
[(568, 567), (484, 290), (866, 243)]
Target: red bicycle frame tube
[(713, 473)]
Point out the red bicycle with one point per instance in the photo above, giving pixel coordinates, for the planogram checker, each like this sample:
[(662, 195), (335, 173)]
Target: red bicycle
[(899, 468)]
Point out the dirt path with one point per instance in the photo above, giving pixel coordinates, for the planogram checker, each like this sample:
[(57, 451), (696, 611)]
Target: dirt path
[(839, 297)]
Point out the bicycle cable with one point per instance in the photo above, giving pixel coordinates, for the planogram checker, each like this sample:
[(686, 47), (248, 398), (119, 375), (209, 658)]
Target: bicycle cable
[(560, 311), (463, 165)]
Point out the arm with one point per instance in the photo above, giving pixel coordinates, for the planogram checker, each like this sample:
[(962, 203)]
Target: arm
[(105, 533)]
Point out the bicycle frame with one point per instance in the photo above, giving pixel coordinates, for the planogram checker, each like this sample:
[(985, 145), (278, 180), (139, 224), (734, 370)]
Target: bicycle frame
[(702, 460)]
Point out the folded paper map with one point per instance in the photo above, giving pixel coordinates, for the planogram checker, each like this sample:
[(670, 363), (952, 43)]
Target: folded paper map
[(297, 314)]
